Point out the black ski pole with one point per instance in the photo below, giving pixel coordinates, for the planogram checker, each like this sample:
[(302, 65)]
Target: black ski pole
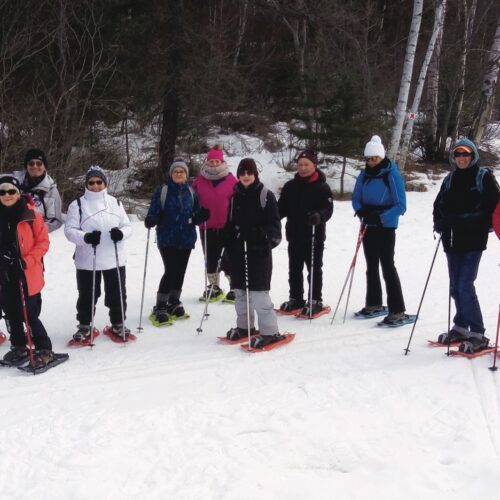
[(312, 273), (407, 350), (449, 317), (94, 247), (121, 291), (27, 323), (247, 289), (139, 328), (361, 235), (495, 352), (207, 298)]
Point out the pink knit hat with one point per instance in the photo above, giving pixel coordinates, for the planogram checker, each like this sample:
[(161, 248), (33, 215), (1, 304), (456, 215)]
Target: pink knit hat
[(215, 154)]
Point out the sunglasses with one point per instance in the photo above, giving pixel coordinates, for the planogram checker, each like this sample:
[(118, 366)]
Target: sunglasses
[(36, 163), (91, 183), (371, 158), (461, 155), (10, 192)]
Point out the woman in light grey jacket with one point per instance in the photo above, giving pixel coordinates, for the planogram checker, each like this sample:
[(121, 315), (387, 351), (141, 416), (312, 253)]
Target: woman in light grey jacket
[(41, 187)]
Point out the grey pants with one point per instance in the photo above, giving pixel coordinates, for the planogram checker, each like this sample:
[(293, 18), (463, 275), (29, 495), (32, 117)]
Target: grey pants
[(260, 303)]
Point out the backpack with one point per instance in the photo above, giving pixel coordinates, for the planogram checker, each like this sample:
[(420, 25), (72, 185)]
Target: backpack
[(163, 195), (479, 179)]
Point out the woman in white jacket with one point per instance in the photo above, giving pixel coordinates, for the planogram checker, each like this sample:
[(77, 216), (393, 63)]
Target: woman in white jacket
[(98, 220)]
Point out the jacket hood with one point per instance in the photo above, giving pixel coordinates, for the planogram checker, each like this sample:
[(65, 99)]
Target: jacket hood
[(464, 142), (46, 184)]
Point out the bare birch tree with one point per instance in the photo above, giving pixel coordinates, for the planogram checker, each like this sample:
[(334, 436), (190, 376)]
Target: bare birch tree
[(490, 79), (437, 28), (404, 89)]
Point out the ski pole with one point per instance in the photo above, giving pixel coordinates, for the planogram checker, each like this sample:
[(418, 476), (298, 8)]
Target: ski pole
[(93, 297), (139, 328), (312, 273), (27, 323), (121, 291), (207, 298), (449, 317), (246, 288), (361, 235), (205, 248), (407, 350), (495, 352)]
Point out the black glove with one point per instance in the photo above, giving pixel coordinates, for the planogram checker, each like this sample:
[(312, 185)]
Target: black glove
[(150, 221), (363, 212), (313, 218), (9, 258), (203, 214), (442, 225), (116, 234), (372, 219), (93, 238)]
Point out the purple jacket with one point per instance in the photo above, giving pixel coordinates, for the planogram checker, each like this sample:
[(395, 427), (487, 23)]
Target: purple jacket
[(215, 198)]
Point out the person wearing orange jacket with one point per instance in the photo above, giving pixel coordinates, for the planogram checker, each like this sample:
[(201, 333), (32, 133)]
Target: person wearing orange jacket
[(24, 241)]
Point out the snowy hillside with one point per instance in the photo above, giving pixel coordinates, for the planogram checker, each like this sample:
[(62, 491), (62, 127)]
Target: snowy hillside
[(339, 413)]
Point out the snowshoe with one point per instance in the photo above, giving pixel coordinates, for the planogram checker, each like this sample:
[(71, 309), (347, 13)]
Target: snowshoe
[(371, 312), (45, 360), (474, 345), (3, 338), (160, 316), (82, 337), (315, 311), (116, 335), (176, 310), (451, 337), (230, 297), (17, 356), (394, 320), (213, 292), (268, 342), (291, 307)]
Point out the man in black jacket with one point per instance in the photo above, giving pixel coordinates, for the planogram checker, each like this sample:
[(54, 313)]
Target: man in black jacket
[(462, 214), (306, 201)]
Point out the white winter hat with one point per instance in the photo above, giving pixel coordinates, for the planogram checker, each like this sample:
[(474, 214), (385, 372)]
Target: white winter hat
[(375, 147)]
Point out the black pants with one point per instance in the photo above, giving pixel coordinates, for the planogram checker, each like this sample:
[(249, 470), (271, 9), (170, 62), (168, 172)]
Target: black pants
[(111, 292), (378, 245), (14, 317), (299, 253), (215, 245), (175, 261)]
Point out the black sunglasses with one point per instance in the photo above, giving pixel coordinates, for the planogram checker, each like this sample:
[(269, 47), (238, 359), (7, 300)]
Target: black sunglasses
[(10, 192), (91, 183), (462, 155)]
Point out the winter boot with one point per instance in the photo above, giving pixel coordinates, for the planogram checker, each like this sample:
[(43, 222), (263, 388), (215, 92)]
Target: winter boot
[(239, 333), (292, 305), (395, 318), (117, 330), (17, 356), (213, 292), (260, 341), (473, 344), (175, 309), (372, 311), (160, 311), (82, 334), (43, 357), (456, 334), (316, 307), (230, 297)]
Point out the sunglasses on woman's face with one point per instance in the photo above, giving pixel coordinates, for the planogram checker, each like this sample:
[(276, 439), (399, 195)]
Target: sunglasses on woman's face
[(35, 163), (10, 192), (99, 183), (461, 155)]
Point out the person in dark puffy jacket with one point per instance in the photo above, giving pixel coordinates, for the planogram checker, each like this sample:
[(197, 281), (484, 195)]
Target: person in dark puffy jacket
[(379, 199), (462, 214), (175, 210), (253, 219), (306, 201)]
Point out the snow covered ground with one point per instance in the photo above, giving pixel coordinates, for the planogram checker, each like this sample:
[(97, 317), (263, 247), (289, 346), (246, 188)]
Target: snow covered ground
[(339, 413)]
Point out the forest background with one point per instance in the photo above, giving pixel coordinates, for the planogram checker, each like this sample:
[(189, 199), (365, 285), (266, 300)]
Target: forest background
[(74, 74)]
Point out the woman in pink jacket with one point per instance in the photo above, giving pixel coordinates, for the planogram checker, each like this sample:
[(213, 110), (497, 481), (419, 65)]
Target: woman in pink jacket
[(496, 220), (215, 186)]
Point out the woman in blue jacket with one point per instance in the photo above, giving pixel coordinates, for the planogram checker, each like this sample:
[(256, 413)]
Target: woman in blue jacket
[(175, 210), (379, 199)]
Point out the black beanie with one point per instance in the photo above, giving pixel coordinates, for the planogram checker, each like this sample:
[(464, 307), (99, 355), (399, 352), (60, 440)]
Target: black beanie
[(35, 154), (310, 154), (247, 165)]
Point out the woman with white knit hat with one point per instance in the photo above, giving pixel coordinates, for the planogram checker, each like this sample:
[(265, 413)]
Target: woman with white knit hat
[(379, 199)]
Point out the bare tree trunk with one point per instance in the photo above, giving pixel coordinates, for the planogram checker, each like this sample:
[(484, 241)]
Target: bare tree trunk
[(242, 24), (404, 88), (490, 79), (438, 26), (431, 138), (469, 15), (342, 175)]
